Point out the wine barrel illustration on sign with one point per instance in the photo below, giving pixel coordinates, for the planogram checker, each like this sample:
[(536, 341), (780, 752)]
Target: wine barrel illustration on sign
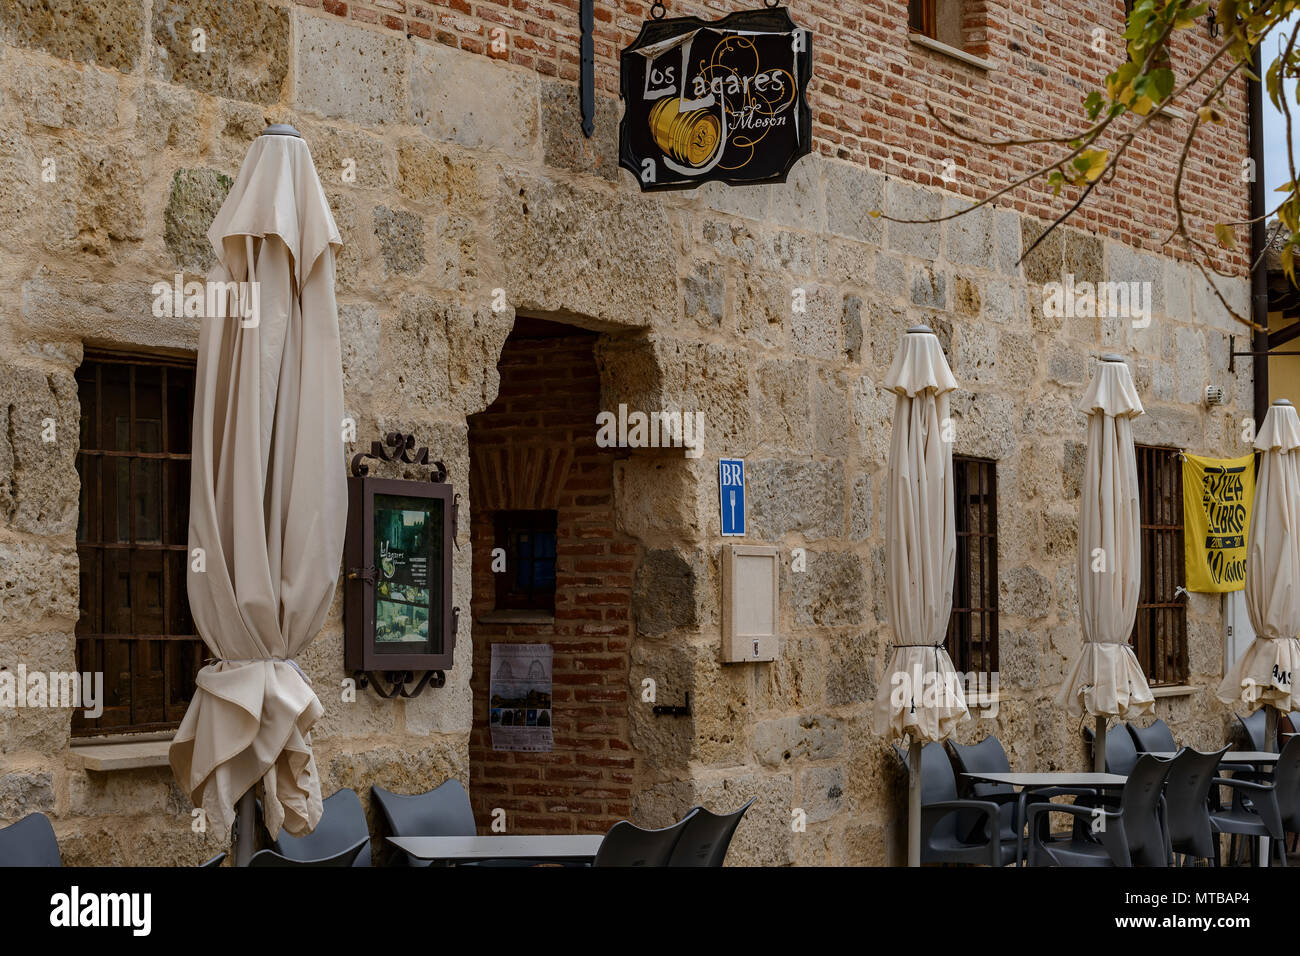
[(721, 100)]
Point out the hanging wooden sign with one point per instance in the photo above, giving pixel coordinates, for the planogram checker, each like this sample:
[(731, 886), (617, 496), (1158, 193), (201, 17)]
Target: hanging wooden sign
[(716, 100)]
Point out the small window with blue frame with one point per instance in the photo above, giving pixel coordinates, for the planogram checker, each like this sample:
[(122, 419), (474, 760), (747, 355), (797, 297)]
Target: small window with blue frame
[(528, 540)]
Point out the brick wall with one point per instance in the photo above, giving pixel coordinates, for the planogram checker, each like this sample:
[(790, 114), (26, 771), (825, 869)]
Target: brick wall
[(871, 87), (534, 448)]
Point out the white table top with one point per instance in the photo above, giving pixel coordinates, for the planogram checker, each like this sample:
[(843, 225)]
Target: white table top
[(566, 846), (1067, 778), (1233, 756)]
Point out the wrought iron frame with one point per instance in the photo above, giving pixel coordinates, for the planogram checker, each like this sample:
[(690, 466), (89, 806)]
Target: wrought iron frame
[(389, 674)]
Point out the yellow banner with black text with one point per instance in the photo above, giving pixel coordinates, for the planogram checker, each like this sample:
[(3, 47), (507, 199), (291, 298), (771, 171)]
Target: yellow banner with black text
[(1217, 495)]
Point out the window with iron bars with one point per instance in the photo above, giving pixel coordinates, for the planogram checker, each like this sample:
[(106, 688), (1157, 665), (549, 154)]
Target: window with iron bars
[(972, 640), (1160, 631), (134, 624)]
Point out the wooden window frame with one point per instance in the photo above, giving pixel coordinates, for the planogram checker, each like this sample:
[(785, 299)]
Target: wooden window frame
[(977, 549), (922, 17), (1159, 635), (507, 524), (174, 645)]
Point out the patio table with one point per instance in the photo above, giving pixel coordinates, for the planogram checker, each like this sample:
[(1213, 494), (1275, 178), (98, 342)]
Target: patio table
[(1065, 778), (1233, 757), (522, 847)]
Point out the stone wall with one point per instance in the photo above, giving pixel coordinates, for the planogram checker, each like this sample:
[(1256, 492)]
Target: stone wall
[(471, 178)]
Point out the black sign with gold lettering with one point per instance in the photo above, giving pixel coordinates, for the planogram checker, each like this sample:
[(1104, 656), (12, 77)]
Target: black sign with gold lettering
[(721, 99)]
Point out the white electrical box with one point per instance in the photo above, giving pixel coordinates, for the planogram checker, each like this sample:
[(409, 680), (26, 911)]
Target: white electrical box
[(751, 578)]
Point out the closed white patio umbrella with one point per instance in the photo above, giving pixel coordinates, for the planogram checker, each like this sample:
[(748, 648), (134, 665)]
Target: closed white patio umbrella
[(1264, 676), (268, 495), (922, 697), (1107, 680)]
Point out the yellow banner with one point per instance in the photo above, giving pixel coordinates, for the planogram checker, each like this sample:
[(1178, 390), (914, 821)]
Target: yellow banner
[(1217, 495)]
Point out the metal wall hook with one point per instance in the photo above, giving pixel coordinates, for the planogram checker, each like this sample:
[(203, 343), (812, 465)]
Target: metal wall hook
[(674, 710)]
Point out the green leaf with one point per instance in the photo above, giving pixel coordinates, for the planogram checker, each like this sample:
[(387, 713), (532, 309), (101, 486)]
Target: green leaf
[(1223, 232)]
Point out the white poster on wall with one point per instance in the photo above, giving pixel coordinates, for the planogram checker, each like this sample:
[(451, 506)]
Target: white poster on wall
[(519, 697)]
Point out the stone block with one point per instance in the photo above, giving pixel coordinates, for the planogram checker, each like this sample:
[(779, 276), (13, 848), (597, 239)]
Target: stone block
[(969, 237), (851, 328), (564, 145), (763, 309), (929, 288), (107, 34), (796, 497), (1023, 592), (780, 741), (666, 592), (820, 792), (361, 76), (39, 487), (784, 407), (401, 239), (860, 508), (63, 97), (852, 193), (23, 792), (37, 583), (1045, 263), (799, 202), (195, 198), (704, 294), (850, 672), (245, 49), (831, 417), (919, 237), (815, 329), (557, 255), (362, 157), (458, 97), (832, 592)]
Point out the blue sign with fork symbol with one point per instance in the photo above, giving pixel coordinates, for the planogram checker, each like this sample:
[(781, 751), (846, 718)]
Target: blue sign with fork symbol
[(731, 494)]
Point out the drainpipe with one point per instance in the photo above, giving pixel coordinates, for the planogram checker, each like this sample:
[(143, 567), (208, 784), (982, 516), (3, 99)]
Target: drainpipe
[(1258, 239), (1259, 294)]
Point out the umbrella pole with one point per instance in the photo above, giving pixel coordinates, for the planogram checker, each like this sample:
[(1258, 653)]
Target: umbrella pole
[(245, 823), (1270, 729), (914, 803), (1099, 746)]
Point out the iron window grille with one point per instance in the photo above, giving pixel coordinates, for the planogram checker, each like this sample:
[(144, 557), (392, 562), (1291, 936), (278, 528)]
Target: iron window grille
[(134, 623), (972, 639), (1160, 631)]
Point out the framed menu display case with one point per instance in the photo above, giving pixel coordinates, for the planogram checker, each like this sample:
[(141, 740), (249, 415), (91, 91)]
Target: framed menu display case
[(397, 611)]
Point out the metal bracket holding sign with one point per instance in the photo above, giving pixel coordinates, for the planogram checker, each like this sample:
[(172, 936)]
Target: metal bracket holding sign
[(398, 618), (731, 496), (716, 100)]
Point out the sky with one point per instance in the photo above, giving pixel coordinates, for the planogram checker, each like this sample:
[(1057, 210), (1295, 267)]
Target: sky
[(1276, 167)]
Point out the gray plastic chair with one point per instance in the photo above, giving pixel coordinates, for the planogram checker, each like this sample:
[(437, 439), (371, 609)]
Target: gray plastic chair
[(942, 841), (1187, 795), (707, 836), (213, 863), (989, 756), (345, 857), (1132, 835), (443, 811), (1157, 738), (30, 842), (1271, 809), (1256, 728), (628, 845), (1121, 754), (342, 824)]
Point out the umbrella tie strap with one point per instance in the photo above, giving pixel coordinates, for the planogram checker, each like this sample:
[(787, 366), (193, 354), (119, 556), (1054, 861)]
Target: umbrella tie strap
[(260, 660)]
